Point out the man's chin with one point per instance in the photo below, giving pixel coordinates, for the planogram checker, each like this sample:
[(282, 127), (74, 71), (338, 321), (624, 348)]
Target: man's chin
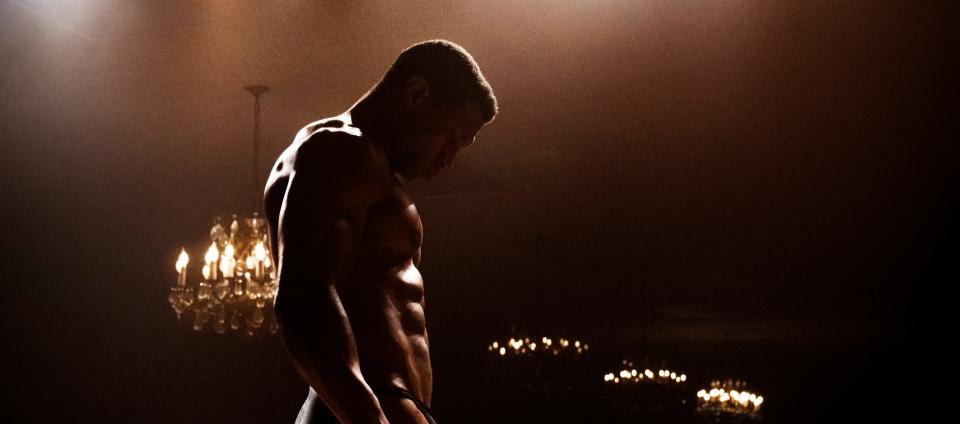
[(425, 174), (431, 173), (413, 175)]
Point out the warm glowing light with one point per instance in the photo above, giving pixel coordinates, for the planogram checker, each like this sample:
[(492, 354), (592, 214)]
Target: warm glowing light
[(226, 267), (736, 400), (530, 346), (633, 375), (259, 251), (212, 253), (503, 351), (230, 296), (227, 261), (183, 260)]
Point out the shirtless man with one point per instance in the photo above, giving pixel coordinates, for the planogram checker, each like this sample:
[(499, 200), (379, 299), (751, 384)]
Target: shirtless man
[(347, 236)]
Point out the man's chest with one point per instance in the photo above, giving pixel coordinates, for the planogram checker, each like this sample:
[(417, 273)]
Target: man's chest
[(393, 229)]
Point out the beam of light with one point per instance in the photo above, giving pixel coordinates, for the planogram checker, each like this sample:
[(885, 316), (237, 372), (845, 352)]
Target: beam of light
[(69, 11)]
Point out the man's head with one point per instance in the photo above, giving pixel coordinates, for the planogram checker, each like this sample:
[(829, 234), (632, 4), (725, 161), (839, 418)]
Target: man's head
[(441, 99)]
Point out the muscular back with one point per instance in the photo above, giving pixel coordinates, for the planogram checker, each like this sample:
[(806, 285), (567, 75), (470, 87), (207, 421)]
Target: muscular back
[(352, 213)]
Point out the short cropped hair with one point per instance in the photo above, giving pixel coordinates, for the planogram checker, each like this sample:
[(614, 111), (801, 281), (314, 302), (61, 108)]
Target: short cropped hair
[(453, 75)]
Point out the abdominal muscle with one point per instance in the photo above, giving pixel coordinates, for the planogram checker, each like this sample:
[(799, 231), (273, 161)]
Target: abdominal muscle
[(385, 307)]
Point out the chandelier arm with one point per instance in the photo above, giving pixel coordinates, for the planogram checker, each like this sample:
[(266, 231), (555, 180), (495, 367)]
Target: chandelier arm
[(256, 91)]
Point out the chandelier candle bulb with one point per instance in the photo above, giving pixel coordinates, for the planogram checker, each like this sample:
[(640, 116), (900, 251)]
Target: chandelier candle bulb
[(261, 253), (211, 259), (226, 266), (181, 266), (227, 261)]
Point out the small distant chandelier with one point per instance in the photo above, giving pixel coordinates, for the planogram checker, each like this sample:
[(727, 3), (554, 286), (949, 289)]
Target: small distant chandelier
[(238, 278), (631, 374), (645, 392), (537, 367), (527, 347), (729, 401)]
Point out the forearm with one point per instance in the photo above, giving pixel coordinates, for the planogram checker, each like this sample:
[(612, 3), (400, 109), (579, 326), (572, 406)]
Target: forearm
[(319, 338)]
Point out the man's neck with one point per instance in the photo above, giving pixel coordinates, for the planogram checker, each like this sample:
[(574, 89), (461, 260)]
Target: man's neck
[(374, 119)]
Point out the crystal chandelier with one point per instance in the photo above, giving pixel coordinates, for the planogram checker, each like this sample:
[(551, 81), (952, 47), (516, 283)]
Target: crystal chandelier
[(538, 369), (630, 374), (238, 280), (729, 401), (648, 391), (527, 347), (238, 284)]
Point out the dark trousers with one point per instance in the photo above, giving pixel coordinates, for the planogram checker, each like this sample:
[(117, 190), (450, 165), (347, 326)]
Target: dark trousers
[(314, 411)]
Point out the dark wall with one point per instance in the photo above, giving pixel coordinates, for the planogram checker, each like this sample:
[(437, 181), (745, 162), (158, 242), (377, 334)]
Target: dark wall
[(769, 178)]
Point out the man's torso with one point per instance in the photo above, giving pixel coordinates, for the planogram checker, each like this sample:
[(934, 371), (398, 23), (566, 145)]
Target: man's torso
[(383, 295)]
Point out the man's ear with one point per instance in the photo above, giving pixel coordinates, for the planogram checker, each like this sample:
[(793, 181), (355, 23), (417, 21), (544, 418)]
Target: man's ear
[(416, 93)]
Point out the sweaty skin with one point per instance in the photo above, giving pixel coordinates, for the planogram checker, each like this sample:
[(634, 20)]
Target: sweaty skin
[(348, 238)]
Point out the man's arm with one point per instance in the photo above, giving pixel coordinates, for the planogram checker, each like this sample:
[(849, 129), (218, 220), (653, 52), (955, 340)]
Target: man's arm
[(334, 181)]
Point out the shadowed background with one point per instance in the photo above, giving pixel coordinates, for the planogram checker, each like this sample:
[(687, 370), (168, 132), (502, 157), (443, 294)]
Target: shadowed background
[(769, 178)]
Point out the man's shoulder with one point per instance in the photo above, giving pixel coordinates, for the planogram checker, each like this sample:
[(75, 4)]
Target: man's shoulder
[(336, 125), (340, 154), (335, 146)]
